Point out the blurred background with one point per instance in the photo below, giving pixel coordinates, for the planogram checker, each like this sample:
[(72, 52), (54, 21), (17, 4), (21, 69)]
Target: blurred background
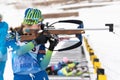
[(93, 13)]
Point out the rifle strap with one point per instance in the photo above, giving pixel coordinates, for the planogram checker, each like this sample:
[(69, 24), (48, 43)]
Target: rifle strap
[(70, 47)]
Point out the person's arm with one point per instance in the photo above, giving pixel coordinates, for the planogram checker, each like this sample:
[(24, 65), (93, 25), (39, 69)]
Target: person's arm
[(3, 33), (45, 62), (3, 48), (25, 48), (11, 41), (30, 45)]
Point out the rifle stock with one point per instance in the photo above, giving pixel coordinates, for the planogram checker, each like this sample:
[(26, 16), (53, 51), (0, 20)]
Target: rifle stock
[(34, 33), (66, 31)]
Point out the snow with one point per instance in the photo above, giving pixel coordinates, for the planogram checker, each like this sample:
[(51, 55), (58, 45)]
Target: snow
[(106, 44)]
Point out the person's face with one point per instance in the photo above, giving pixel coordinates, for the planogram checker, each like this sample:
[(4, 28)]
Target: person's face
[(33, 27)]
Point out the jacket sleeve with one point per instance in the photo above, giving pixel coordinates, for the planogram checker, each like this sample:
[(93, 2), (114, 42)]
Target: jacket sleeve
[(25, 48), (3, 33), (46, 60), (19, 50)]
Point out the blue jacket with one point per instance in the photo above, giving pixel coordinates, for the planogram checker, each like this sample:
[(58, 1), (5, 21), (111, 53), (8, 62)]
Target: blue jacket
[(3, 33), (27, 57)]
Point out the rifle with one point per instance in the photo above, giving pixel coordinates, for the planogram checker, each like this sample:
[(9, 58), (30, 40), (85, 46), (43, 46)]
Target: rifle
[(50, 30)]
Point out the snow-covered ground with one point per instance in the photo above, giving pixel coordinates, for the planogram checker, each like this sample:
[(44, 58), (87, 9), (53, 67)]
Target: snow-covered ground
[(106, 45)]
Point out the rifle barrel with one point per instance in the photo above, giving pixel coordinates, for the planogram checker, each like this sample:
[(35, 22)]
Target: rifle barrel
[(72, 31)]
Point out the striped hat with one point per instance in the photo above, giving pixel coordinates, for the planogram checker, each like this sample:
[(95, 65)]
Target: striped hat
[(32, 16)]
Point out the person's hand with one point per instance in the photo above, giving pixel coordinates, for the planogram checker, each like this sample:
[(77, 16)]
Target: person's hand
[(41, 39), (53, 40)]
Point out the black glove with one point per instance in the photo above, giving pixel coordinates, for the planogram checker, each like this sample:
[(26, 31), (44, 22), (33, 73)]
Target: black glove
[(53, 42), (41, 39)]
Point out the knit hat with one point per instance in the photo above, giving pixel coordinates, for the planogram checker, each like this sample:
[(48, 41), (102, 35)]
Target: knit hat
[(32, 16)]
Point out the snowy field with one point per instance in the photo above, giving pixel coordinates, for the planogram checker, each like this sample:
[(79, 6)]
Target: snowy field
[(106, 45)]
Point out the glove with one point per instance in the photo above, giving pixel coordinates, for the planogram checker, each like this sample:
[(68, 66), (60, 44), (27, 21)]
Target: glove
[(41, 39), (53, 42)]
